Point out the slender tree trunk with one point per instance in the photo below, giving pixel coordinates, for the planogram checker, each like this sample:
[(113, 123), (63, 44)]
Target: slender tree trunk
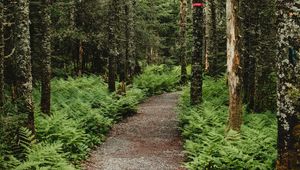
[(23, 62), (129, 34), (114, 43), (197, 66), (182, 40), (234, 61), (211, 38), (46, 61), (80, 59), (288, 85), (1, 56)]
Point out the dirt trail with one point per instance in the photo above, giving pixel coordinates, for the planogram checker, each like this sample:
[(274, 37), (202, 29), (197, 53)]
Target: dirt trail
[(147, 141)]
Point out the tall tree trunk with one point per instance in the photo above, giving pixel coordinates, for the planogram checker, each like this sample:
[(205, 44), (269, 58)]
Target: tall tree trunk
[(129, 34), (288, 85), (197, 66), (1, 56), (23, 62), (41, 48), (234, 64), (182, 40), (211, 38), (250, 53), (46, 61), (114, 43)]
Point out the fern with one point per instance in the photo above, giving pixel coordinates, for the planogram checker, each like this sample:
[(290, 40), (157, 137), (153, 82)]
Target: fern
[(206, 143), (26, 139)]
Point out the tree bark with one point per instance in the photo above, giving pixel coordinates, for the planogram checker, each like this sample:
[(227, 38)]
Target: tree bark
[(41, 49), (23, 62), (288, 93), (234, 64), (211, 39), (197, 65), (1, 56), (114, 43), (46, 61), (129, 34), (182, 40)]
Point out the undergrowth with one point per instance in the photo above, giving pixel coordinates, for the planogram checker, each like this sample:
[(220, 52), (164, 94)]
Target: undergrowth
[(83, 111), (209, 147), (158, 79)]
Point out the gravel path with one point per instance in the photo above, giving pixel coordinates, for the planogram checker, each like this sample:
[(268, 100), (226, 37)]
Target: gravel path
[(147, 141)]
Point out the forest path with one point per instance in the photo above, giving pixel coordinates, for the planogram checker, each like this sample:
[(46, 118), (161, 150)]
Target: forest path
[(149, 140)]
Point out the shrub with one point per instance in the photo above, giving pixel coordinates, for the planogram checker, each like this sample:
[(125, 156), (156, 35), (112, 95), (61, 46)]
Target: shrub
[(158, 79)]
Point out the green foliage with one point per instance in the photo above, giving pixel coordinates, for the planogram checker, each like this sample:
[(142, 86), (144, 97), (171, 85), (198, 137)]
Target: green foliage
[(207, 144), (83, 111), (45, 157), (158, 79)]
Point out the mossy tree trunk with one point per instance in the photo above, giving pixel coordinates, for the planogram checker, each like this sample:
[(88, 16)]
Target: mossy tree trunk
[(197, 65), (23, 63), (234, 64), (46, 54), (288, 85)]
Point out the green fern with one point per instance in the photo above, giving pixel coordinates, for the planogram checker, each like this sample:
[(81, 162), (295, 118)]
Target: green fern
[(207, 144)]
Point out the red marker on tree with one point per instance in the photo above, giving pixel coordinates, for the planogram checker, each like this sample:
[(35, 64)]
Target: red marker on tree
[(198, 4)]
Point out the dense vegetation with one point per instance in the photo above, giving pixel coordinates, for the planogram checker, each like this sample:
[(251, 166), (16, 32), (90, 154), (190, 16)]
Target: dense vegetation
[(70, 69), (203, 128), (83, 112)]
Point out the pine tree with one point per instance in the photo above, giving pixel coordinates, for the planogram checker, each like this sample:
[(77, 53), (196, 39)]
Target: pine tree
[(197, 66), (288, 85), (234, 64)]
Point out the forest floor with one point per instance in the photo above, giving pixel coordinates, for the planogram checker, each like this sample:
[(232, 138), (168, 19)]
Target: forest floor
[(149, 140)]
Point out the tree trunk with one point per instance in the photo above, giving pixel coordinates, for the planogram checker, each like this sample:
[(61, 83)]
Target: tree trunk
[(80, 59), (23, 62), (41, 48), (114, 43), (46, 61), (1, 56), (182, 40), (211, 39), (234, 61), (129, 34), (288, 85), (197, 66), (250, 53)]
